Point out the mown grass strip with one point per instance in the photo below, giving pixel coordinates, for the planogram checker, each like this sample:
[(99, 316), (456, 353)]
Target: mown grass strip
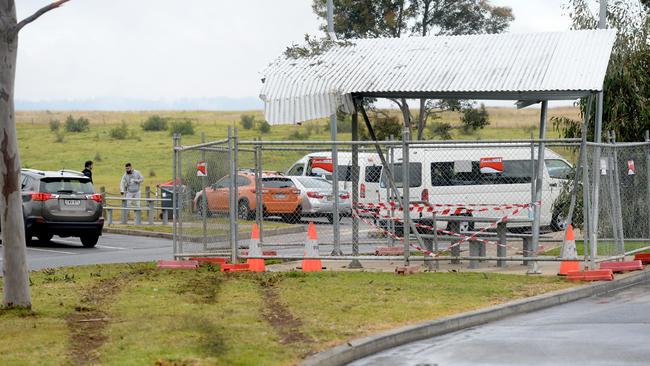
[(203, 317)]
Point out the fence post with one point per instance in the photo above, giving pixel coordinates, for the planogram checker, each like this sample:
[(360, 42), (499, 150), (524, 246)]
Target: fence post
[(232, 144), (178, 194), (175, 144), (502, 239), (125, 212), (335, 190), (391, 196), (617, 197), (150, 204), (533, 267), (406, 191), (596, 194), (647, 177), (204, 199), (610, 185), (259, 204), (355, 189)]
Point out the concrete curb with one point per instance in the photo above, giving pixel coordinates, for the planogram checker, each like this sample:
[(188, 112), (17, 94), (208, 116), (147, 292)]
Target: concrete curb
[(153, 234), (362, 347)]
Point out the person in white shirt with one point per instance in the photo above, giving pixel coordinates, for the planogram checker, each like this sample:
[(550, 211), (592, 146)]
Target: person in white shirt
[(130, 184)]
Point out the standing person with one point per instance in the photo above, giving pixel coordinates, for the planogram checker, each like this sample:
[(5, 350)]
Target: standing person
[(130, 183), (88, 170)]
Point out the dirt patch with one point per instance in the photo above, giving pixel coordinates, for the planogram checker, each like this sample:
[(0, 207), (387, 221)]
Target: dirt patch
[(281, 319), (88, 322), (205, 289)]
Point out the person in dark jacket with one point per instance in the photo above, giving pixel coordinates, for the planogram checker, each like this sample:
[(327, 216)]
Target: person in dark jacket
[(88, 170)]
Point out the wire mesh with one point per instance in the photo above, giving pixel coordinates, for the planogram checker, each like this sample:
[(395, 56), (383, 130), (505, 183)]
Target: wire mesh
[(203, 224)]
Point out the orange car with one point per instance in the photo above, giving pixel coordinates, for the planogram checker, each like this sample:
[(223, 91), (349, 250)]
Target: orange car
[(280, 197)]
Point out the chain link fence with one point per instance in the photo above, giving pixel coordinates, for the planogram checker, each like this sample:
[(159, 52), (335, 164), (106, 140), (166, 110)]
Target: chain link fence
[(454, 197), (619, 179)]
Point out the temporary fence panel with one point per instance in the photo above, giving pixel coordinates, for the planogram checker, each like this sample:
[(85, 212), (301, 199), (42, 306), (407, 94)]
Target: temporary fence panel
[(623, 196), (202, 195)]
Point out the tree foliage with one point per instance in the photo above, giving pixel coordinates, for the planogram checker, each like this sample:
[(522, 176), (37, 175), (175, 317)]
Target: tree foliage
[(475, 118), (626, 88), (402, 18)]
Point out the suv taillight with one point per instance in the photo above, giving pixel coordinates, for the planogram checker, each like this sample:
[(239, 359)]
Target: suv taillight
[(41, 196), (96, 197), (344, 196), (362, 191)]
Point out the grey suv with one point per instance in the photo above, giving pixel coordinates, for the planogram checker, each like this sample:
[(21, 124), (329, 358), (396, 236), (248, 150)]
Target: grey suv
[(62, 203)]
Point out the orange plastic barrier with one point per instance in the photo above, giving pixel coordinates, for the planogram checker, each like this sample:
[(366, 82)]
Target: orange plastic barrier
[(620, 267), (594, 275)]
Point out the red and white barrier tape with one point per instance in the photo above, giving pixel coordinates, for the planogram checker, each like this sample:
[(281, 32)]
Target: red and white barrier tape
[(464, 238), (454, 209)]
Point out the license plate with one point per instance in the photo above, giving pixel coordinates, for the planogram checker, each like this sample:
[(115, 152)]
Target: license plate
[(72, 202), (329, 198), (279, 196)]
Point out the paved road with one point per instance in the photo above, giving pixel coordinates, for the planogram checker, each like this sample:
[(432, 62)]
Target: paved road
[(611, 329), (111, 248)]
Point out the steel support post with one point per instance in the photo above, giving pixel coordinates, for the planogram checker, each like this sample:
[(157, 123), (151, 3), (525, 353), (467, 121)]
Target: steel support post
[(175, 144), (533, 265), (204, 198), (406, 190), (259, 206), (355, 189), (533, 175)]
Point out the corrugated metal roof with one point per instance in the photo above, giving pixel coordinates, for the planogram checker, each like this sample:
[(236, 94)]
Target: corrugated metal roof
[(510, 66)]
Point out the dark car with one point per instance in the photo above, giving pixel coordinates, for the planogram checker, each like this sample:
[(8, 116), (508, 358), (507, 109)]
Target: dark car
[(62, 203)]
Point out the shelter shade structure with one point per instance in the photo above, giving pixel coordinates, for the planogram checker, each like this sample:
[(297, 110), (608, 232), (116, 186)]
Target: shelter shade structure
[(529, 68)]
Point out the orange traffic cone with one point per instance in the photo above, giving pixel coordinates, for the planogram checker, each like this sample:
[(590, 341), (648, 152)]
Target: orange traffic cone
[(311, 251), (254, 250), (569, 252)]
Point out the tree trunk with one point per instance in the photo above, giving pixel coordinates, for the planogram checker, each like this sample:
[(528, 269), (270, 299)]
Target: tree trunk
[(422, 119), (16, 277)]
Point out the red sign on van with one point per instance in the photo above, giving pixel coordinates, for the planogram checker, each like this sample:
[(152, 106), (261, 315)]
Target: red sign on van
[(321, 166), (491, 165)]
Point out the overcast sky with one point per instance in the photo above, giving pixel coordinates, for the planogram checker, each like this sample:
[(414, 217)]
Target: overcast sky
[(164, 49)]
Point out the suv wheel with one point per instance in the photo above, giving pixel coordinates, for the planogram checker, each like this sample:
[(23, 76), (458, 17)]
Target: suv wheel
[(45, 237), (558, 221), (244, 212), (90, 240)]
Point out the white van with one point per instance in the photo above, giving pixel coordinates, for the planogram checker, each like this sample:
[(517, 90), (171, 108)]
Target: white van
[(456, 174)]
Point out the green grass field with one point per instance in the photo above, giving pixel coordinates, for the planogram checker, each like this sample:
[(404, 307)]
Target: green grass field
[(137, 315), (150, 152)]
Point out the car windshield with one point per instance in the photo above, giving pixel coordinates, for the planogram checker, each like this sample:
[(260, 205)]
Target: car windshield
[(315, 183), (67, 185)]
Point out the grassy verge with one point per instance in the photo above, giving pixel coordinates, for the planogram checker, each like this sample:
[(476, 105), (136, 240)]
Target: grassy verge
[(604, 248), (204, 317)]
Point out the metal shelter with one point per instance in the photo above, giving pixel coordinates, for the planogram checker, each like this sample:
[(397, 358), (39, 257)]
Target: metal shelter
[(528, 68)]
